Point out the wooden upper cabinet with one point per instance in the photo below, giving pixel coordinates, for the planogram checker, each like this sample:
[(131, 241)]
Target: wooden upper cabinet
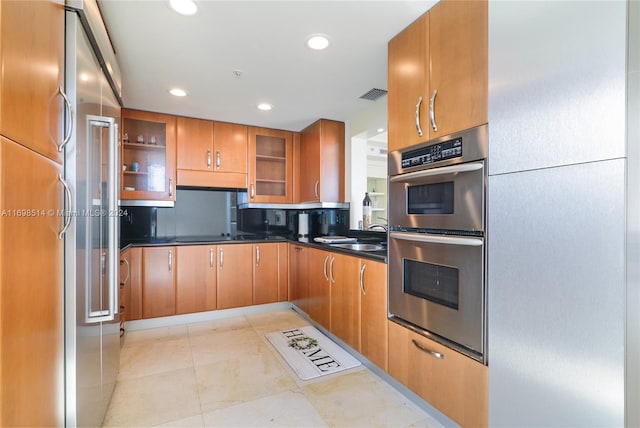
[(32, 64), (211, 154), (458, 39), (408, 99), (148, 156), (321, 173), (438, 73), (270, 165), (195, 144), (230, 148), (158, 281)]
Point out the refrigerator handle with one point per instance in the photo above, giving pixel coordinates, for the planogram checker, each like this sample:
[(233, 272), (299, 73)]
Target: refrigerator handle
[(113, 221)]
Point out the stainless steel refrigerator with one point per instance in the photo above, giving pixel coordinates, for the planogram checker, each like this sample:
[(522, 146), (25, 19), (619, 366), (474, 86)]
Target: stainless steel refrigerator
[(92, 345)]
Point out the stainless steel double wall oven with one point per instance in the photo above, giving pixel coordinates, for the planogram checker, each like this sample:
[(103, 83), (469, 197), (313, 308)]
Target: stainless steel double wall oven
[(437, 194)]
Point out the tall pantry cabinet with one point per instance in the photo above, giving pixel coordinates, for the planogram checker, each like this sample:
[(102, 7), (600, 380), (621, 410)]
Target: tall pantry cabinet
[(31, 200)]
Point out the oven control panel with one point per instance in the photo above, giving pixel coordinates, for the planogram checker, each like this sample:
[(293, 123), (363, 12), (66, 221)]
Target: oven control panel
[(434, 153)]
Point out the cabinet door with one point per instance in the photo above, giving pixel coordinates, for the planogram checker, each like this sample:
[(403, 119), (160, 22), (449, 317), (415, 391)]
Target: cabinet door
[(408, 101), (125, 288), (283, 272), (265, 273), (196, 279), (299, 277), (195, 144), (31, 289), (319, 287), (134, 312), (270, 165), (149, 166), (453, 383), (230, 148), (458, 40), (32, 63), (373, 309), (235, 276), (321, 172), (158, 281), (345, 298)]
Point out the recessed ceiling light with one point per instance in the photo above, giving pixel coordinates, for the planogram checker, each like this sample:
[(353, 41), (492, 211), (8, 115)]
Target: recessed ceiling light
[(265, 106), (177, 92), (380, 130), (317, 42), (184, 7)]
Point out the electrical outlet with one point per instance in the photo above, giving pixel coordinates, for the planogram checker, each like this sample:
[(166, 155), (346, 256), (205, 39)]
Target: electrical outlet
[(279, 218)]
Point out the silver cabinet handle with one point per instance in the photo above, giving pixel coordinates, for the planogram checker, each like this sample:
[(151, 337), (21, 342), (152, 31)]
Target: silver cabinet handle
[(317, 189), (126, 262), (252, 191), (257, 255), (67, 103), (437, 239), (418, 127), (362, 279), (221, 258), (453, 169), (333, 259), (218, 159), (171, 187), (211, 257), (324, 268), (208, 158), (428, 351), (67, 219), (170, 260), (432, 110)]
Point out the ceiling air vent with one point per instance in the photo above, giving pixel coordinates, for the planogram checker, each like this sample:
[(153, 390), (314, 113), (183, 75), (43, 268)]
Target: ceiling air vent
[(374, 94)]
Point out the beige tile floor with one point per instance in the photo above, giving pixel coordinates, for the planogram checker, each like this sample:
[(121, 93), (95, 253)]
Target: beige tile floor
[(224, 373)]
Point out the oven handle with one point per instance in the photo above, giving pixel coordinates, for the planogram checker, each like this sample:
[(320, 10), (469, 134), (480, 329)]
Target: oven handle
[(437, 239), (464, 167)]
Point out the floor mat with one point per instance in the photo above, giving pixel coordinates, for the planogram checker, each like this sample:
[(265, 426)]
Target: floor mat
[(310, 353)]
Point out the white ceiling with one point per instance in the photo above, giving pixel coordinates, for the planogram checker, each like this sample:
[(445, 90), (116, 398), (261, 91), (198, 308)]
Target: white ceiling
[(158, 49)]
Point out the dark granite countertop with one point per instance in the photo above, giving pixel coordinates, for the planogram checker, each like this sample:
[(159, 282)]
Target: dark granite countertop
[(253, 238)]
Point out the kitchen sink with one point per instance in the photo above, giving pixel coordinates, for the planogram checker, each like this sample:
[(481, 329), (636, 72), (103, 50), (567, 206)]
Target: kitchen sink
[(361, 247)]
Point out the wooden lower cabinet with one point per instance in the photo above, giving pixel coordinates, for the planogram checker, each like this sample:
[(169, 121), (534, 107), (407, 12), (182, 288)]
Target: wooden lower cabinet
[(265, 273), (345, 298), (454, 384), (196, 278), (319, 287), (158, 281), (131, 284), (373, 312), (31, 289), (299, 276), (235, 277)]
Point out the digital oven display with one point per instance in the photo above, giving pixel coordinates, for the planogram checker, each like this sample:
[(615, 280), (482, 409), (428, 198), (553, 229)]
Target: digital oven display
[(434, 153)]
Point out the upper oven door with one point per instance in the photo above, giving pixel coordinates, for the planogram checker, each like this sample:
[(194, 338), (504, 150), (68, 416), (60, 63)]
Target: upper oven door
[(449, 197)]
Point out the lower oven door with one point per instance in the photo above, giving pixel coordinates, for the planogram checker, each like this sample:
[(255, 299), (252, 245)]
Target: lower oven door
[(436, 283)]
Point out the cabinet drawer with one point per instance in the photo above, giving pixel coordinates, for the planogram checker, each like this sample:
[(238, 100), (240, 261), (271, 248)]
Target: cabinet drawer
[(453, 383)]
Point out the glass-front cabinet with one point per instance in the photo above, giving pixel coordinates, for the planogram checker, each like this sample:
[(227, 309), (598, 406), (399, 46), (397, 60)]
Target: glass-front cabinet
[(270, 165), (148, 156)]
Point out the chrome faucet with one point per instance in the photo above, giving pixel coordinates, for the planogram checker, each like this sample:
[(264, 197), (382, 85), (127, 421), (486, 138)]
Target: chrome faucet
[(374, 225)]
